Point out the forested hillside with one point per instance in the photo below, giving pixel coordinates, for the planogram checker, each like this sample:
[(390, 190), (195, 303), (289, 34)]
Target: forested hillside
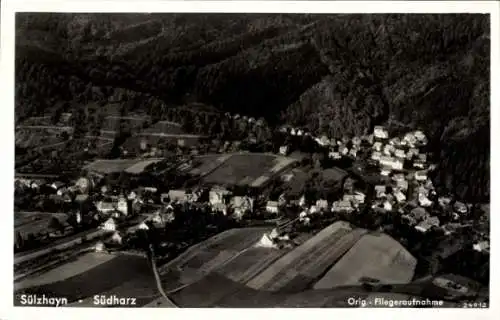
[(334, 74)]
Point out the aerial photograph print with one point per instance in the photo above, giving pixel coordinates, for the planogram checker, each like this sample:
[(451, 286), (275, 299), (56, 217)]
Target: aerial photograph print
[(252, 160)]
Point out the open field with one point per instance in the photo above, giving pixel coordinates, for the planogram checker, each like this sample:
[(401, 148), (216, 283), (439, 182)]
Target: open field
[(110, 166), (70, 269), (389, 262), (250, 263), (211, 254), (102, 276), (141, 166), (283, 270), (142, 287), (165, 127), (203, 165), (247, 169)]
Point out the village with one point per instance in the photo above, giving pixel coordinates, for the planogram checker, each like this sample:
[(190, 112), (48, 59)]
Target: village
[(379, 182)]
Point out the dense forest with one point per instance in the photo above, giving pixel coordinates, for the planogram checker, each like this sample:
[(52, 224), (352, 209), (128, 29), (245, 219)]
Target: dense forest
[(333, 74)]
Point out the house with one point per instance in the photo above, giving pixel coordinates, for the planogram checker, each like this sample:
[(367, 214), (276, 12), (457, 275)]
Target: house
[(57, 185), (398, 177), (402, 185), (81, 198), (302, 215), (400, 197), (422, 157), (241, 205), (105, 207), (335, 155), (266, 242), (143, 226), (356, 141), (419, 135), (359, 196), (353, 152), (323, 141), (427, 224), (418, 164), (292, 132), (388, 149), (36, 184), (219, 208), (99, 247), (376, 156), (378, 146), (400, 153), (380, 132), (314, 209), (84, 184), (322, 204), (380, 191), (444, 201), (421, 175), (344, 150), (302, 201), (116, 238), (342, 206), (150, 189), (218, 195), (62, 191), (177, 196), (370, 138), (284, 150), (122, 205), (395, 141), (482, 246), (460, 207), (423, 200), (109, 225), (272, 207), (419, 214), (410, 138), (385, 171), (104, 189), (300, 132), (132, 195), (387, 205)]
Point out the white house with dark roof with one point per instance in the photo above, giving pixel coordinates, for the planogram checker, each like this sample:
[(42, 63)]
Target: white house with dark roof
[(421, 175), (391, 162), (378, 146), (109, 225), (395, 141), (272, 207), (400, 153), (388, 149), (380, 191), (177, 196), (376, 156), (342, 206), (322, 204), (380, 132), (217, 195)]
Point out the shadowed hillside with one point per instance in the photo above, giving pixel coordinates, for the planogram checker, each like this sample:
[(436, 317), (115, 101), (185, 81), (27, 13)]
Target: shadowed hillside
[(335, 74)]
